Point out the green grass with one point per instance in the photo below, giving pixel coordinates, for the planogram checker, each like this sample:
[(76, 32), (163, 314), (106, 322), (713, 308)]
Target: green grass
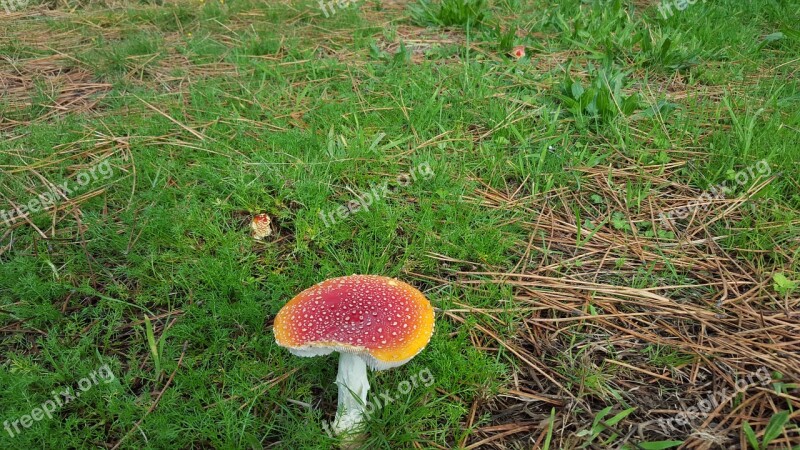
[(286, 106)]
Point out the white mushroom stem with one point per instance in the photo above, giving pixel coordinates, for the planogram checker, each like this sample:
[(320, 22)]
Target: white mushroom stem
[(353, 387)]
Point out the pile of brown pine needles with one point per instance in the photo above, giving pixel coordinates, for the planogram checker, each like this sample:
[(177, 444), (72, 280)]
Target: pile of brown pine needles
[(622, 310)]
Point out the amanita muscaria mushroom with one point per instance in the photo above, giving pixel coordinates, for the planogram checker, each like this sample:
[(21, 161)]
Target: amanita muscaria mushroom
[(370, 320), (261, 226)]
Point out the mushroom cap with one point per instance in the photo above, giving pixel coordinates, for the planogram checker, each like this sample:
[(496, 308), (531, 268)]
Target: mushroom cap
[(261, 226), (383, 320)]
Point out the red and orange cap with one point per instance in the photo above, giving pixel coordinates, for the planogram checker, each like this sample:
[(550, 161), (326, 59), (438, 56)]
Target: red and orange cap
[(385, 321)]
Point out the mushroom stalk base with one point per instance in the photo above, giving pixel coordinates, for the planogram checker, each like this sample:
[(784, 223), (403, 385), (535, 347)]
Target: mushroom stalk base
[(353, 387)]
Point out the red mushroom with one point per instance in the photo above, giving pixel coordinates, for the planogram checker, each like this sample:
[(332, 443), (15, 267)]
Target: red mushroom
[(261, 226), (370, 320)]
